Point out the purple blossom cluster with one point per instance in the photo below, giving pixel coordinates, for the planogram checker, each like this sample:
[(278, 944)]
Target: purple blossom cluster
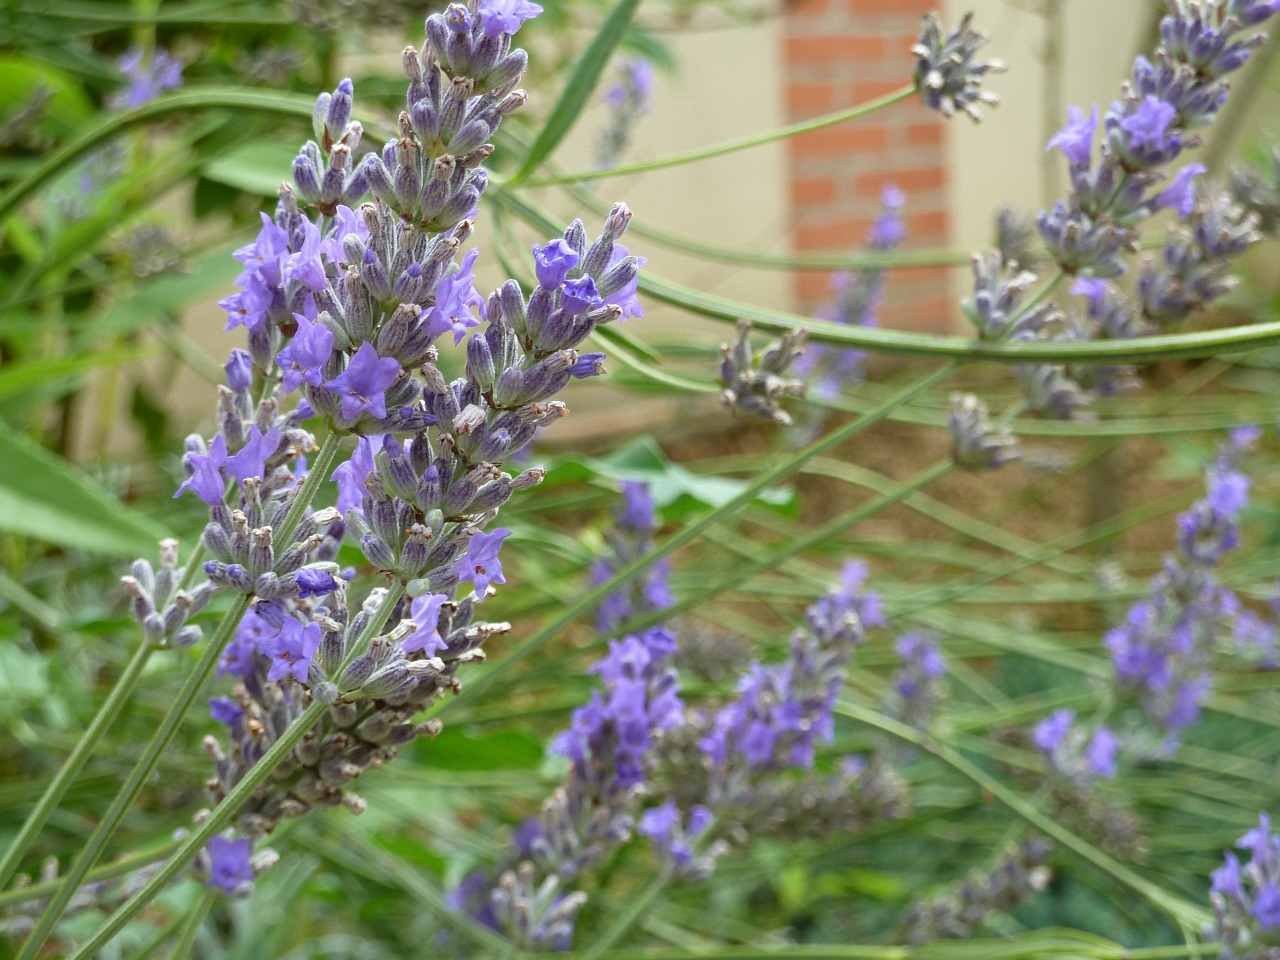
[(758, 387), (857, 297), (917, 688), (1074, 753), (346, 303), (146, 77), (782, 711), (948, 73), (1163, 651), (609, 746), (1115, 190), (629, 539), (747, 769), (1246, 898), (628, 98)]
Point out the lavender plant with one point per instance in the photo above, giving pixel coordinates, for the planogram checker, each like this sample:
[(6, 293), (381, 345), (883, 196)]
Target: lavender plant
[(344, 308), (327, 667)]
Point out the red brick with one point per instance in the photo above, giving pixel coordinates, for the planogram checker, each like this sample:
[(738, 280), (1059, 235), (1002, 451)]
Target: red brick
[(864, 90), (813, 286), (892, 6), (807, 8), (934, 315), (924, 178), (836, 234), (927, 226), (853, 137), (833, 48), (805, 97), (813, 190), (925, 134)]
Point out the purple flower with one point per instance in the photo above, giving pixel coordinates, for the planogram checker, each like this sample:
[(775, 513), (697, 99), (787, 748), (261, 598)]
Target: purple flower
[(1258, 840), (553, 261), (506, 16), (251, 461), (249, 307), (1226, 879), (888, 230), (1148, 125), (239, 368), (425, 613), (1266, 906), (626, 297), (1052, 730), (1228, 490), (455, 296), (206, 480), (147, 81), (579, 296), (1100, 754), (362, 387), (229, 863), (1180, 195), (226, 711), (658, 823), (350, 476), (1075, 140), (637, 510), (1246, 435), (661, 824), (314, 582), (237, 657), (481, 564), (266, 254), (1093, 289), (588, 365), (306, 355), (305, 266), (292, 649)]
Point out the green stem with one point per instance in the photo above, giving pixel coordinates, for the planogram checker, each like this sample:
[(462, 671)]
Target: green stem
[(317, 474), (71, 767), (181, 102), (138, 777), (1203, 343), (120, 868), (156, 942), (381, 867), (1180, 911), (192, 923), (624, 921), (687, 535), (234, 800), (733, 146)]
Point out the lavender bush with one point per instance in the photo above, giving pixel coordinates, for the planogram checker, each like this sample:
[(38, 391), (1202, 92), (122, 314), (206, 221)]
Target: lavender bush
[(403, 684)]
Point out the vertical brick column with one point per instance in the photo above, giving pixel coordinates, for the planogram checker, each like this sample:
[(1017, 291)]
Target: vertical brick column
[(837, 54)]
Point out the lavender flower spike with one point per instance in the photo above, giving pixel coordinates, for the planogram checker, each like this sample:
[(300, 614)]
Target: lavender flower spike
[(977, 443), (948, 74), (1246, 899)]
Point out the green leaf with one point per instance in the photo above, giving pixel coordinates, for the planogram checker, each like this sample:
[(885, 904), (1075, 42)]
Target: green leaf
[(675, 490), (43, 374), (509, 750), (67, 108), (582, 83), (254, 167), (43, 496)]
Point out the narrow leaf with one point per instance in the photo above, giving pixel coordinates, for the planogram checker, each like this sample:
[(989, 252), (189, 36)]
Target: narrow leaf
[(43, 496), (582, 83)]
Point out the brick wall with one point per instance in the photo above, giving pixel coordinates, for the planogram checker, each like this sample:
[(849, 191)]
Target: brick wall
[(839, 53)]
